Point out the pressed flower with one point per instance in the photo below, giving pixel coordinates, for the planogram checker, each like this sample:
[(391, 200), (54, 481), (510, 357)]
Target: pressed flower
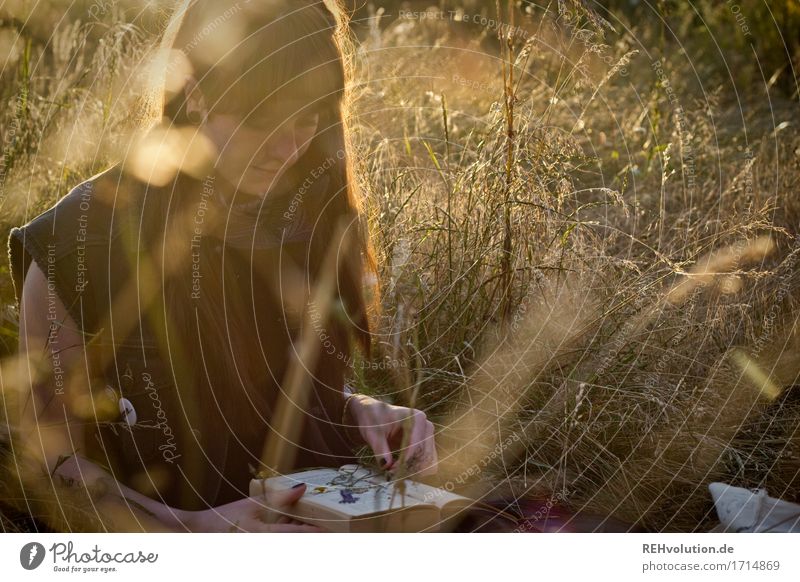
[(347, 496)]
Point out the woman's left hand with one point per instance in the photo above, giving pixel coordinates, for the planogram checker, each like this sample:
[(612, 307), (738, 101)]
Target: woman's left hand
[(382, 427)]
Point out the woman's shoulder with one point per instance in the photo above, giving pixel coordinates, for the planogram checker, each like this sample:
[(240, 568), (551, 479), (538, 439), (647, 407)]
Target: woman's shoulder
[(72, 240), (91, 210), (96, 202)]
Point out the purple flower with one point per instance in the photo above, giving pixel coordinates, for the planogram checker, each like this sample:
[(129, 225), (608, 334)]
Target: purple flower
[(347, 496)]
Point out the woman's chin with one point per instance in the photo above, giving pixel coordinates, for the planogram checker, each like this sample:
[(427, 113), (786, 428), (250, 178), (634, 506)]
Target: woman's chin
[(255, 190), (254, 183), (260, 186)]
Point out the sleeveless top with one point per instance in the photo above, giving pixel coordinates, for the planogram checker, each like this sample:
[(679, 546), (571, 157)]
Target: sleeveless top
[(162, 443)]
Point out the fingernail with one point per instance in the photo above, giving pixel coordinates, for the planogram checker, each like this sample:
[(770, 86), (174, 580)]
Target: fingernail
[(298, 485)]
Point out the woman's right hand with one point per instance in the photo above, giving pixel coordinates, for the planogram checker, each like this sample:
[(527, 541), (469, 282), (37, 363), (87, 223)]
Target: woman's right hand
[(251, 514)]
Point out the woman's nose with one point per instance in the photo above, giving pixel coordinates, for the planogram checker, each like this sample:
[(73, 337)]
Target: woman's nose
[(283, 146)]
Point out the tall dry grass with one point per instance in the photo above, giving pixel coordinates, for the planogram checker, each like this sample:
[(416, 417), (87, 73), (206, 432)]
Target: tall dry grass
[(653, 260)]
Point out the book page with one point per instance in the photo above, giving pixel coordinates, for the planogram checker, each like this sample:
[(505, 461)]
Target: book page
[(437, 496), (415, 490), (352, 490)]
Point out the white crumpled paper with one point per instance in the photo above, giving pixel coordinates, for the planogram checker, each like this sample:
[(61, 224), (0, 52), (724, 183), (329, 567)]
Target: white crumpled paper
[(745, 511)]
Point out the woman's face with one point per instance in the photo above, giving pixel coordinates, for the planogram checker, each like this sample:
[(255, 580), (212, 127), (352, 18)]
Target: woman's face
[(254, 152)]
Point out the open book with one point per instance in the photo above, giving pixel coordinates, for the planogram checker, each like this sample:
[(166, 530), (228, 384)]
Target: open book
[(354, 498)]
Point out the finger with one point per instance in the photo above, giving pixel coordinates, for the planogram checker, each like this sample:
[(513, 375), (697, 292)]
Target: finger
[(416, 450), (405, 430), (277, 502), (424, 459), (376, 440), (287, 497)]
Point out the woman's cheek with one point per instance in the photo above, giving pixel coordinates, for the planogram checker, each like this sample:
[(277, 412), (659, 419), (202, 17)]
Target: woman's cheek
[(239, 166)]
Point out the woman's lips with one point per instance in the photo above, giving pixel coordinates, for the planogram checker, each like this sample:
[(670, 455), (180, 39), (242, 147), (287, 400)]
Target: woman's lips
[(270, 169)]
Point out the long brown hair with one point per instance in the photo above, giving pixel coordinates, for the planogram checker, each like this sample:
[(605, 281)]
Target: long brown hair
[(285, 49)]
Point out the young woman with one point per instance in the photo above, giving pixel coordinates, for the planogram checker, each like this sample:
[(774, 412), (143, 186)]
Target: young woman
[(184, 325)]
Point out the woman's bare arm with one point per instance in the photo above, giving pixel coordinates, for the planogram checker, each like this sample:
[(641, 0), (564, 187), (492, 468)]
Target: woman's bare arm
[(51, 431)]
